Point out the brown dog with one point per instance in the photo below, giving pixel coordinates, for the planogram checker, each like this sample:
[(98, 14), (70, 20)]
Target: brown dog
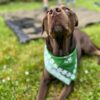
[(62, 38)]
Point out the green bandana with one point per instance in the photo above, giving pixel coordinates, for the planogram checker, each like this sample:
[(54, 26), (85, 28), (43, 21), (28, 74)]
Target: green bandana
[(62, 68)]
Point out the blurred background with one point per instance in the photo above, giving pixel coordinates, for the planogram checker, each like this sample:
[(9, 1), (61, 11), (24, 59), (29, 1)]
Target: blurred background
[(22, 46)]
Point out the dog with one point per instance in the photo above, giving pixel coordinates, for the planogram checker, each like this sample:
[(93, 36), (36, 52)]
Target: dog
[(63, 39)]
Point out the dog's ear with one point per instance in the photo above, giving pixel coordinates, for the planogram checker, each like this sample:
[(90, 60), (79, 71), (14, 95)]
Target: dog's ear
[(75, 19), (44, 27)]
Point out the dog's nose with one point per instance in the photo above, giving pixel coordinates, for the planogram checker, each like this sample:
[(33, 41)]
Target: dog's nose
[(50, 11), (57, 10), (54, 12)]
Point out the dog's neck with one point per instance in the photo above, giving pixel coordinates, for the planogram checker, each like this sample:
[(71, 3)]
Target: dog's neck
[(60, 47)]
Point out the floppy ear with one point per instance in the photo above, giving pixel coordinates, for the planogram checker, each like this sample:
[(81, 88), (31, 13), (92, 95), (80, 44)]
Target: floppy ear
[(44, 27), (75, 19)]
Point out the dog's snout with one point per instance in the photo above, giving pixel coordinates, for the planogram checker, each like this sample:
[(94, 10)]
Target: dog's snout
[(54, 12)]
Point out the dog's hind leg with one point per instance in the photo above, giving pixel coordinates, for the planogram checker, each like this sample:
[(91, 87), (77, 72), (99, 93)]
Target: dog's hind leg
[(46, 78), (91, 49), (66, 91), (97, 53)]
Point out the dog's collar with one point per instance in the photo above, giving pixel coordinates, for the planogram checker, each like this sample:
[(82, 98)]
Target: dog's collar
[(63, 68), (62, 57)]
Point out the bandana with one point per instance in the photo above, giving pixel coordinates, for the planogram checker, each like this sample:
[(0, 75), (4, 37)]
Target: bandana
[(63, 68)]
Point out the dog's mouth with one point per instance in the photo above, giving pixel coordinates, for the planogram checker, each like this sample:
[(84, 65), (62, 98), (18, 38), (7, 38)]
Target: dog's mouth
[(58, 29), (58, 25)]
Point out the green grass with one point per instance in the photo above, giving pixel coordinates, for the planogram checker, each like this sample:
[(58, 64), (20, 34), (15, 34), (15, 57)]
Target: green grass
[(89, 4), (21, 65), (12, 7)]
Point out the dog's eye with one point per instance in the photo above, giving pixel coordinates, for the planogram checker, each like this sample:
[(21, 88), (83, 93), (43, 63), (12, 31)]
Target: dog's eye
[(67, 9)]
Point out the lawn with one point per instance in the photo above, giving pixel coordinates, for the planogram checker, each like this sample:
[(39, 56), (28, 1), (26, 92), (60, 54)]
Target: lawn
[(21, 65)]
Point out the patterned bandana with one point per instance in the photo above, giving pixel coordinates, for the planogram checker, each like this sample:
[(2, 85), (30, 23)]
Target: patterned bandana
[(63, 68)]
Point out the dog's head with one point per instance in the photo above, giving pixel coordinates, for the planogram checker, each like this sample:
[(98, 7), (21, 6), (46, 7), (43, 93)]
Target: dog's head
[(59, 21), (58, 24)]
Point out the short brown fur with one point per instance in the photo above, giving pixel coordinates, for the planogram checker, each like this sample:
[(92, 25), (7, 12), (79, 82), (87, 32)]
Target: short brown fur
[(62, 37)]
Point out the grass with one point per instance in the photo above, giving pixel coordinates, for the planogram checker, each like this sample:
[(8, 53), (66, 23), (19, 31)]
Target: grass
[(12, 7), (89, 4), (21, 65)]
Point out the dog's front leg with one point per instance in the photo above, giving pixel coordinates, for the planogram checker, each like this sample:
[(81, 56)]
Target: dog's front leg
[(43, 86), (66, 92)]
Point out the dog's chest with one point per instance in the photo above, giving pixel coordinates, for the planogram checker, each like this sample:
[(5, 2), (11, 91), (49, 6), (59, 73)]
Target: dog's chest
[(62, 68)]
